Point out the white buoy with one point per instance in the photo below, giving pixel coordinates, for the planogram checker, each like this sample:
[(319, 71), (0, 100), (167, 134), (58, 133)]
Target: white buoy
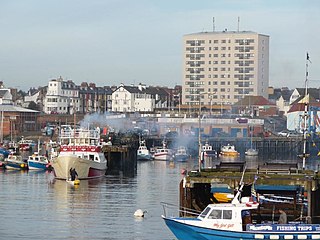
[(139, 213)]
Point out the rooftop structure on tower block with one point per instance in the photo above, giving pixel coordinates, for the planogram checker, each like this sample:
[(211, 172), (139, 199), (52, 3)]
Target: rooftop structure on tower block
[(223, 67)]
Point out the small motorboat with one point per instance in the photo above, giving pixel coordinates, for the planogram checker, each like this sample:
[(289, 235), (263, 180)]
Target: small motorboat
[(252, 152), (229, 150), (15, 162), (74, 182), (143, 152), (181, 155), (208, 151), (37, 162)]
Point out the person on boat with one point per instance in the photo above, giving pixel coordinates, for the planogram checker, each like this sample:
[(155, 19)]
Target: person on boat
[(282, 217), (73, 174)]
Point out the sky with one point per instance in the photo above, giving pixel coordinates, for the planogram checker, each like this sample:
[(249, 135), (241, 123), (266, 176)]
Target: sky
[(109, 42)]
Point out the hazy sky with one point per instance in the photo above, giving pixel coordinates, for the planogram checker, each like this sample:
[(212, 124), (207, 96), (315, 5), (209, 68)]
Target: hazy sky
[(130, 41)]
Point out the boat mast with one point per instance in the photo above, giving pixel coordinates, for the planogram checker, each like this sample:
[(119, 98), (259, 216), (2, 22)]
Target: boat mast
[(305, 116)]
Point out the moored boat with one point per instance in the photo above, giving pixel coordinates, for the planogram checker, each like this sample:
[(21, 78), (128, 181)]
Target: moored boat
[(229, 150), (181, 154), (80, 149), (163, 153), (37, 162), (15, 162), (26, 144), (252, 152), (73, 182), (208, 151), (234, 221), (143, 152)]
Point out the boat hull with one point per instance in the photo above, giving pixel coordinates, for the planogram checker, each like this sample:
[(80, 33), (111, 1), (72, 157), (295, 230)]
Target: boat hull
[(162, 156), (16, 165), (232, 154), (184, 231), (252, 152), (181, 158), (86, 169), (144, 157), (37, 165)]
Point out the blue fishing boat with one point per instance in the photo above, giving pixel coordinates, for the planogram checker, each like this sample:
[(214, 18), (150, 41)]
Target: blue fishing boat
[(15, 162), (233, 221), (37, 162)]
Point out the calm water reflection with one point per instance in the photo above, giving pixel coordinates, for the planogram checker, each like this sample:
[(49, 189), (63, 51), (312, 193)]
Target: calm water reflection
[(32, 207)]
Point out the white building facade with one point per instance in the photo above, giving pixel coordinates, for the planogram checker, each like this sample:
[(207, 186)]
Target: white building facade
[(223, 67), (132, 99), (62, 97), (5, 97)]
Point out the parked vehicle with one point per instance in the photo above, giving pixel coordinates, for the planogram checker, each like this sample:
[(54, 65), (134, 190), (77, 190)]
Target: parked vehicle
[(283, 133)]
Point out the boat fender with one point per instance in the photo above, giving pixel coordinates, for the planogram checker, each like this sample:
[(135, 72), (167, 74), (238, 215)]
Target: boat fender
[(250, 204), (22, 165)]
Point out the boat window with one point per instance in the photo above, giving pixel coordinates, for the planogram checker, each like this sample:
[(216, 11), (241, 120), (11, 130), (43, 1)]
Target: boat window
[(215, 214), (91, 157), (205, 212), (227, 214)]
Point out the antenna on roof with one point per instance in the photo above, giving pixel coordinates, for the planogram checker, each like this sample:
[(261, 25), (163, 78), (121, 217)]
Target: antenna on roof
[(238, 24), (213, 25)]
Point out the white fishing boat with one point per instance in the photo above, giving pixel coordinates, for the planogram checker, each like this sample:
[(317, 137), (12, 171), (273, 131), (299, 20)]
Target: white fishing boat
[(181, 154), (228, 150), (208, 151), (163, 153), (143, 152), (251, 151), (80, 149)]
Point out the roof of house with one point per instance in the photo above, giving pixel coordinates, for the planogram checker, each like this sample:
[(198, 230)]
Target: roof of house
[(3, 92), (147, 90), (253, 101), (314, 92), (12, 108)]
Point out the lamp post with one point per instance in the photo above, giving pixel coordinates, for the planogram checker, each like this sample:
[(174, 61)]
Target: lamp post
[(199, 134)]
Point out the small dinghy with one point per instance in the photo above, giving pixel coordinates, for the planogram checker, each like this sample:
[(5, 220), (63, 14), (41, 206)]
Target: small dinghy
[(73, 183)]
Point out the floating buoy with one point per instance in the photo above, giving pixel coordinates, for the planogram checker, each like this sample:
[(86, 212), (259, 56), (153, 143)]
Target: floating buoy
[(183, 171), (139, 213), (76, 182)]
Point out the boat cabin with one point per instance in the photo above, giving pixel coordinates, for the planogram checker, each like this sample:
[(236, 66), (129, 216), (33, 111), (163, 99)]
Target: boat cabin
[(228, 216)]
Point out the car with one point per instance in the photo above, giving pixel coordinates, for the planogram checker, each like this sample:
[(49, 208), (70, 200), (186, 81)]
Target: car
[(283, 133), (294, 134)]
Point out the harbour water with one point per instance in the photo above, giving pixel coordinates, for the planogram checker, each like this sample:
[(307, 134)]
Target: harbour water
[(34, 206)]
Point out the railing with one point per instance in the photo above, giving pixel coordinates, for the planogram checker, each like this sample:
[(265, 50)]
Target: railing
[(172, 210)]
